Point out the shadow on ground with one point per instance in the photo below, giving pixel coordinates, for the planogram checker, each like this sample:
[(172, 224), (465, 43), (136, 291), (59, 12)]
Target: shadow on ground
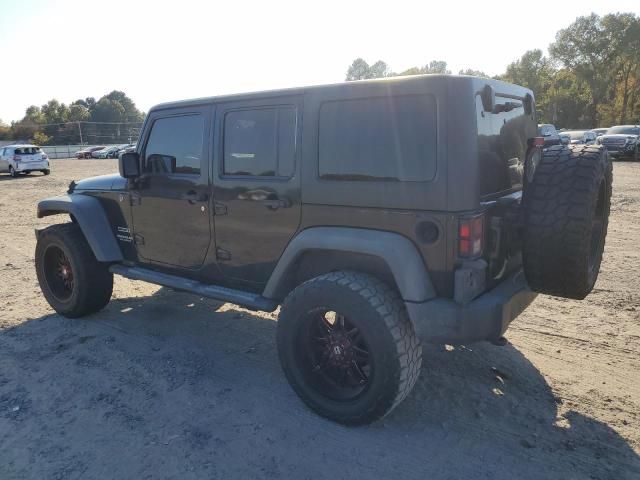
[(166, 387), (8, 177)]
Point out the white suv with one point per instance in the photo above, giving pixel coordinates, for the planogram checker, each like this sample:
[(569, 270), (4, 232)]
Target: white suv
[(16, 159)]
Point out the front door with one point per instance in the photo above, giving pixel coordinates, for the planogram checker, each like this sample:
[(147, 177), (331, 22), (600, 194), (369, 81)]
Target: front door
[(170, 201), (256, 184)]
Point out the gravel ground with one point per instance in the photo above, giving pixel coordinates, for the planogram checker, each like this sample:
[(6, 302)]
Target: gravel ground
[(167, 385)]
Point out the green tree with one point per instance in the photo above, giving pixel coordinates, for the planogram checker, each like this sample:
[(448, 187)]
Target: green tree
[(107, 110), (40, 138), (78, 113), (585, 48), (474, 73), (623, 33), (434, 66), (5, 131), (55, 112), (532, 70), (361, 70)]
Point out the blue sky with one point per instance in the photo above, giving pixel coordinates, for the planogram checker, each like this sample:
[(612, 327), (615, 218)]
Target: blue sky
[(159, 51)]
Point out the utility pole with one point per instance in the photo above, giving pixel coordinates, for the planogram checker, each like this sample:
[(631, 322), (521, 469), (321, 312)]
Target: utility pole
[(80, 130)]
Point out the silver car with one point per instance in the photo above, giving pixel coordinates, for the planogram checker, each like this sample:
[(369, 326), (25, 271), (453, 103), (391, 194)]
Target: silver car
[(17, 159)]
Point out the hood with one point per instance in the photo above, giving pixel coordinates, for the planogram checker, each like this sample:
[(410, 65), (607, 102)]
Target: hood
[(103, 182)]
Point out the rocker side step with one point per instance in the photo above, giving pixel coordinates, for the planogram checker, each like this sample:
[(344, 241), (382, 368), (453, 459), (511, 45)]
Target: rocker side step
[(248, 300)]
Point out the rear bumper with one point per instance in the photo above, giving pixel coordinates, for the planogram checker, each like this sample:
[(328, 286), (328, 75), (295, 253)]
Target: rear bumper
[(486, 318), (30, 166)]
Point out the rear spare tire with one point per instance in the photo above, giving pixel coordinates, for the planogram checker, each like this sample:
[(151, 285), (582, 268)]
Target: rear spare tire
[(566, 214)]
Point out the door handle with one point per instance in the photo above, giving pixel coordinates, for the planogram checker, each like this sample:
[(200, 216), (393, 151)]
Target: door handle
[(192, 197), (275, 204)]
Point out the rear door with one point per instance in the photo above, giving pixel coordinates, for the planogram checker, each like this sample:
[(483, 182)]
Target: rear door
[(256, 184), (170, 200)]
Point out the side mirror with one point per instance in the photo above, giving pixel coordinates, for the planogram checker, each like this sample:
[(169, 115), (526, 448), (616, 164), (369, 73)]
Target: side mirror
[(129, 165)]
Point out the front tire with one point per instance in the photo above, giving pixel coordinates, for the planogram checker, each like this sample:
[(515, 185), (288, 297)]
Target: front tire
[(13, 172), (347, 347), (72, 280)]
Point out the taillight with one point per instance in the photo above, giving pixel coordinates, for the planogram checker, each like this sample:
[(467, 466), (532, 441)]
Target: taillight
[(45, 156), (471, 236), (536, 142)]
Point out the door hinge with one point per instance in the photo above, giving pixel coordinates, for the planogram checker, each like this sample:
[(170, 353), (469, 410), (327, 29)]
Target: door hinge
[(135, 200), (222, 254), (219, 208), (138, 239)]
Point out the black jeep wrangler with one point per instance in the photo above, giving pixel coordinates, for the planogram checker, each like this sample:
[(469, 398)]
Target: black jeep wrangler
[(377, 215)]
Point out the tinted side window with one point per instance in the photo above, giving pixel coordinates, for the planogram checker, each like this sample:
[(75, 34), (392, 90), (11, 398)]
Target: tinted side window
[(175, 145), (260, 142), (385, 138)]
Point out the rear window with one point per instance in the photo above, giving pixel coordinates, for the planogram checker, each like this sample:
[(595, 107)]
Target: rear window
[(27, 150), (378, 139)]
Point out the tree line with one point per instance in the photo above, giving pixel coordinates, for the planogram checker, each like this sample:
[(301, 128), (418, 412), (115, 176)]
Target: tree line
[(591, 77), (111, 119)]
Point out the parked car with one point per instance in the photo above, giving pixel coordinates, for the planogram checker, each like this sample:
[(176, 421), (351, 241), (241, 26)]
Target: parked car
[(290, 213), (122, 148), (96, 153), (565, 138), (599, 131), (17, 159), (580, 137), (550, 134), (622, 141), (86, 152), (106, 152)]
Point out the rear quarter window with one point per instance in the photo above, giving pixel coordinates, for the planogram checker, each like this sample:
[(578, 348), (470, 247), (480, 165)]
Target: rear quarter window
[(391, 138)]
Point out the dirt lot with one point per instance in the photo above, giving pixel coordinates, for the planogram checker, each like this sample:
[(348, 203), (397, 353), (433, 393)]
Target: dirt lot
[(166, 385)]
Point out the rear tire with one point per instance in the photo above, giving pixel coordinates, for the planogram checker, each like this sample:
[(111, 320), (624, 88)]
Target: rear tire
[(46, 172), (72, 280), (566, 208), (358, 368)]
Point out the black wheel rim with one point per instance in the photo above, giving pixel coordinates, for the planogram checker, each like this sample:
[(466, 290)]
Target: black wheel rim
[(597, 229), (58, 273), (334, 355)]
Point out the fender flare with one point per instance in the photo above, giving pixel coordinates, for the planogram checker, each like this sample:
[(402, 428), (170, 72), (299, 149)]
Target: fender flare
[(398, 252), (90, 216)]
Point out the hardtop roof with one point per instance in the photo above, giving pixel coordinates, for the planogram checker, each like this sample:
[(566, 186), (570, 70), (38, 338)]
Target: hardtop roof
[(501, 87)]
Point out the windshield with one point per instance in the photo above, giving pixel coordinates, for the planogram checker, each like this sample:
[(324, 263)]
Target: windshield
[(577, 135), (624, 131)]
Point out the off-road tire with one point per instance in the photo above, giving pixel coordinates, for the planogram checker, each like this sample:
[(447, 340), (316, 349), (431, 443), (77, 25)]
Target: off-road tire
[(92, 280), (570, 191), (380, 314)]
